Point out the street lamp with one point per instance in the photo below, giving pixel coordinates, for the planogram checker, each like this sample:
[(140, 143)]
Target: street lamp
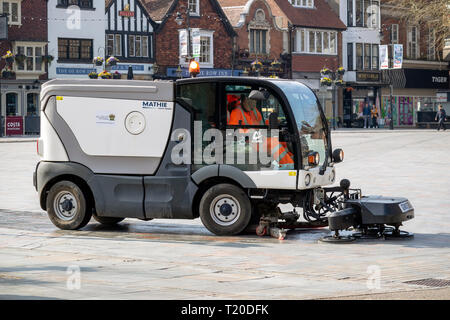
[(179, 20), (334, 79), (391, 89)]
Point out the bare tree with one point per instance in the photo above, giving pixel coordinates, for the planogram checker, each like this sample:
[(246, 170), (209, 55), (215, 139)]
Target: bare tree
[(433, 14)]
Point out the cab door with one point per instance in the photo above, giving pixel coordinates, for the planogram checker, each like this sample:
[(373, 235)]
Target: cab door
[(274, 167)]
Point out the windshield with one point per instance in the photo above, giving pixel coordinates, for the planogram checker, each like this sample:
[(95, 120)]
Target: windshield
[(305, 106)]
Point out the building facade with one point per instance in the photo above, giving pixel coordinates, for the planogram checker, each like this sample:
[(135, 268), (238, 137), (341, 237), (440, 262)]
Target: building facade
[(315, 42), (360, 51), (262, 35), (76, 34), (130, 37), (423, 81), (210, 31), (22, 75)]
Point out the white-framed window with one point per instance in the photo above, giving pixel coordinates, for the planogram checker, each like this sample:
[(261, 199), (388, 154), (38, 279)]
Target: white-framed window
[(14, 11), (413, 43), (114, 45), (367, 13), (394, 33), (367, 56), (302, 3), (258, 41), (194, 7), (316, 41), (137, 46), (32, 53), (206, 58), (431, 52)]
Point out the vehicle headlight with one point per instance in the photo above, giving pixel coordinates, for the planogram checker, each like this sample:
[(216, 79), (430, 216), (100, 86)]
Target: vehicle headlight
[(313, 158), (338, 155)]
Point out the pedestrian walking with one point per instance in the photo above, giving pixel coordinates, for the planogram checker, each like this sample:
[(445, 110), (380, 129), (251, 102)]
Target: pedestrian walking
[(440, 117), (366, 115), (374, 115)]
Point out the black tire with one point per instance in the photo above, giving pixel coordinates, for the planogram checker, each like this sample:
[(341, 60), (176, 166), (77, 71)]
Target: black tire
[(107, 221), (225, 209), (79, 211)]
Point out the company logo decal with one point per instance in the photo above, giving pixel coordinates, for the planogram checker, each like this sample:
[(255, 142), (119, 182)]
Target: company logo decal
[(155, 105)]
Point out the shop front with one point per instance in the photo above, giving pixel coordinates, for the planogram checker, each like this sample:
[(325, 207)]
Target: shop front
[(19, 107), (366, 89), (415, 95)]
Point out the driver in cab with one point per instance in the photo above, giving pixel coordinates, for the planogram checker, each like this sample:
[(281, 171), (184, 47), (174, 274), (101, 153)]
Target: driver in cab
[(246, 113)]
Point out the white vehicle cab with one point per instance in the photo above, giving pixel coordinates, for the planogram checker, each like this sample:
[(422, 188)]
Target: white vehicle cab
[(120, 149)]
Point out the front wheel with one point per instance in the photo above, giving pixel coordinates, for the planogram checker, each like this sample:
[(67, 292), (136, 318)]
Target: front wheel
[(67, 206), (225, 209)]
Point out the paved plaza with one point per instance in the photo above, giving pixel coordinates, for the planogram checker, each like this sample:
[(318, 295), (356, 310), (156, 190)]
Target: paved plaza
[(180, 259)]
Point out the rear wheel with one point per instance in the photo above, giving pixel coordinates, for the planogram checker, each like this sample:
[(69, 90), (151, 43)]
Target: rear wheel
[(67, 206), (225, 209), (108, 221)]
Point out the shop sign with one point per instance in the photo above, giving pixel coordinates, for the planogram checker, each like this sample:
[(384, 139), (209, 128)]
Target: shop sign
[(205, 72), (426, 79), (126, 12), (86, 71), (14, 126), (368, 76)]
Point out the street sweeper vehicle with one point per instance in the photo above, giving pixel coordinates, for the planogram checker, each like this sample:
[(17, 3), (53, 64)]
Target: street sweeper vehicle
[(229, 150)]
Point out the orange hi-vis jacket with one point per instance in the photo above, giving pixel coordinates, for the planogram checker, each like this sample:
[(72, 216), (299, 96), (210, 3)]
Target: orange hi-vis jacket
[(253, 117), (280, 153)]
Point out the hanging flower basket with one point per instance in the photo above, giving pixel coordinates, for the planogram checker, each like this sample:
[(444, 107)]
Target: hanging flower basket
[(105, 75), (339, 83), (325, 71), (341, 71), (256, 65), (9, 57), (20, 58), (117, 75), (48, 59), (112, 61), (93, 75), (98, 61), (325, 81), (276, 64)]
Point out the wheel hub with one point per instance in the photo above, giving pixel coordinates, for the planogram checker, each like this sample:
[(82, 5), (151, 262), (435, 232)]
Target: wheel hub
[(65, 205), (225, 210)]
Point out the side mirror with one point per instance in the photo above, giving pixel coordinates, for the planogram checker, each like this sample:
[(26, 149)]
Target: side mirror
[(338, 155), (256, 95)]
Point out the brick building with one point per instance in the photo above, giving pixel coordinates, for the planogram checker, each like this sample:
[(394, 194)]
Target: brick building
[(215, 37), (423, 80), (262, 35), (20, 81)]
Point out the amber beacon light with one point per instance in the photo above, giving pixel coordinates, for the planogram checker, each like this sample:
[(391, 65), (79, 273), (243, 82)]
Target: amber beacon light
[(194, 68)]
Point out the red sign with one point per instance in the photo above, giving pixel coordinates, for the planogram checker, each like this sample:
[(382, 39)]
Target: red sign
[(126, 13), (14, 126)]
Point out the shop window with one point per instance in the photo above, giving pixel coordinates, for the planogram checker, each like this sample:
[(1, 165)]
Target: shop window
[(13, 9), (32, 104), (12, 104)]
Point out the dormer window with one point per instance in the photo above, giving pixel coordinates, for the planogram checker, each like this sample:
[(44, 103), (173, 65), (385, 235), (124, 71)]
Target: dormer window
[(194, 7), (302, 3)]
